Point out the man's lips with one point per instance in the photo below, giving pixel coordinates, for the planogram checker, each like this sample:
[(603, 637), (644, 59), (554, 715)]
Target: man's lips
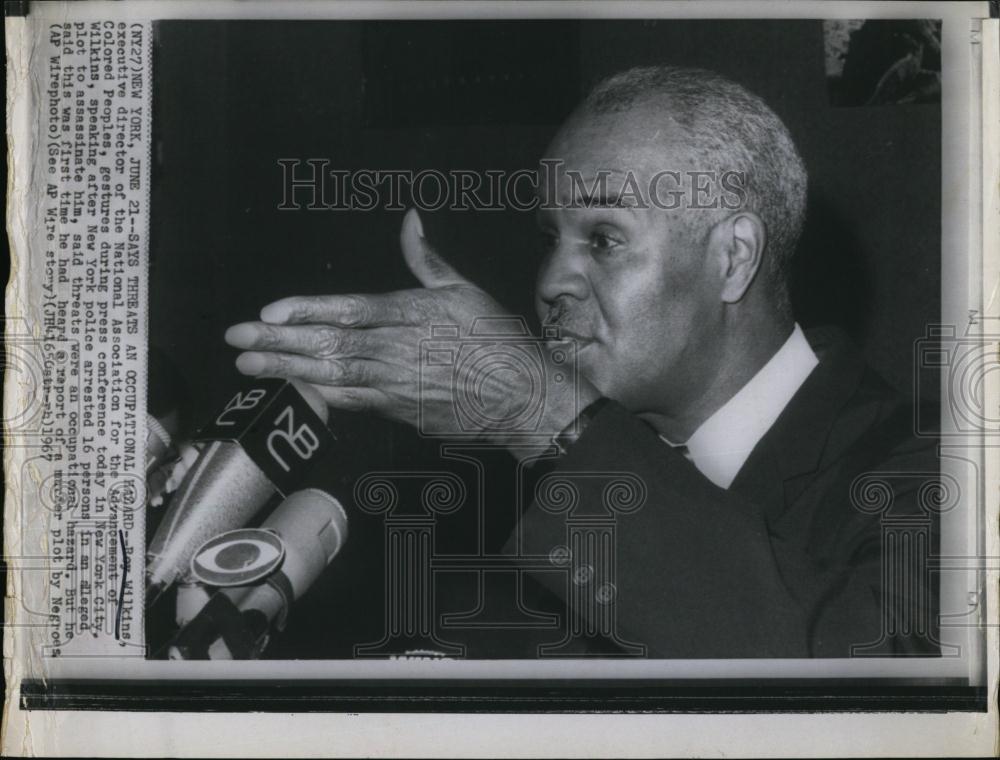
[(564, 334)]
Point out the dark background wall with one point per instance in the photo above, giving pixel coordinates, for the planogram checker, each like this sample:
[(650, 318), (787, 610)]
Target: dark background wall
[(232, 98)]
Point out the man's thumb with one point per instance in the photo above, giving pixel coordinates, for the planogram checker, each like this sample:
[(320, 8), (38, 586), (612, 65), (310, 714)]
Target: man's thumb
[(423, 261)]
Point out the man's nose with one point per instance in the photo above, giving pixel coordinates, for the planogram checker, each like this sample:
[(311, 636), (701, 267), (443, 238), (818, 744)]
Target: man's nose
[(563, 274)]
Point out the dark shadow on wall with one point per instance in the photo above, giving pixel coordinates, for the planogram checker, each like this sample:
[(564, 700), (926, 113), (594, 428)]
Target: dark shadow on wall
[(830, 284)]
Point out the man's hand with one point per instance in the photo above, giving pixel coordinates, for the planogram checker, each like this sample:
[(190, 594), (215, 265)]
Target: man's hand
[(362, 352)]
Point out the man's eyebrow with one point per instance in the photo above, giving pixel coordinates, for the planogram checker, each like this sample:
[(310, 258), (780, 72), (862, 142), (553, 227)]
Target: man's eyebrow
[(612, 200)]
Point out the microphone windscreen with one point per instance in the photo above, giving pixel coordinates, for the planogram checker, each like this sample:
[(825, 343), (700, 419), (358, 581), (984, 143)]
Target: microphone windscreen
[(157, 443), (313, 526)]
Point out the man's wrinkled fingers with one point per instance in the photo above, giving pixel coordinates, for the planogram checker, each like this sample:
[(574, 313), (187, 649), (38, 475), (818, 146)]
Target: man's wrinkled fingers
[(353, 399), (319, 341), (380, 310), (355, 372)]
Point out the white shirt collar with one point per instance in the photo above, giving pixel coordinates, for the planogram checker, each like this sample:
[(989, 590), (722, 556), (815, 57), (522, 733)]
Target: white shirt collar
[(721, 445)]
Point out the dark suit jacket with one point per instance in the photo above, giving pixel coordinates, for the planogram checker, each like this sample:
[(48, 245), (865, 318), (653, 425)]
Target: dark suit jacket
[(818, 549)]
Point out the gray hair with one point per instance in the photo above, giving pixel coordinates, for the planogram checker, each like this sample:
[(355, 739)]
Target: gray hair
[(728, 129)]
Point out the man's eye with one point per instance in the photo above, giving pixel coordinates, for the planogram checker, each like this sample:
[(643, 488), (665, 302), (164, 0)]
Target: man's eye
[(602, 242), (547, 241)]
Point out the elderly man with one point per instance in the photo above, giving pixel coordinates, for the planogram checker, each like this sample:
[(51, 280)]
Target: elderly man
[(692, 375)]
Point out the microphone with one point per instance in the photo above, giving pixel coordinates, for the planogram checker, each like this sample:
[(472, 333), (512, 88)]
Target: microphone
[(158, 443), (167, 478), (236, 622), (263, 443)]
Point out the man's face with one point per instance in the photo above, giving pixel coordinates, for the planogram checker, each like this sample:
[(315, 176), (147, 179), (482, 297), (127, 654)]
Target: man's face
[(633, 286)]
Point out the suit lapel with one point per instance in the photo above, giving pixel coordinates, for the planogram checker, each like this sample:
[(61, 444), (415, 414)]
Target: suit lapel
[(774, 472)]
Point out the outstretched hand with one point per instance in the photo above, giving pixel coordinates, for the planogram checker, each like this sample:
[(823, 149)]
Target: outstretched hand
[(363, 352)]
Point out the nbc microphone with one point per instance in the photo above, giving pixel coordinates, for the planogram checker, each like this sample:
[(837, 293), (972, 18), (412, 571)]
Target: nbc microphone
[(291, 548), (264, 442)]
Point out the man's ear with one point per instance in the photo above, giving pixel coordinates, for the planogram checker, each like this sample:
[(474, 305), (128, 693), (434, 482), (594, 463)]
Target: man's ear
[(737, 245)]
